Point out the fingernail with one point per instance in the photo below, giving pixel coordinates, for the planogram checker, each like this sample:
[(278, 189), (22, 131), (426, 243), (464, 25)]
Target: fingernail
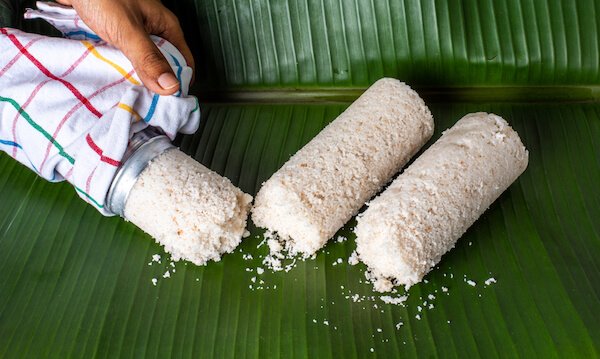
[(167, 81)]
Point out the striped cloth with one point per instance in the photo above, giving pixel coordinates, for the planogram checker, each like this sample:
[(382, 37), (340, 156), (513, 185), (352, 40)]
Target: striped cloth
[(69, 106)]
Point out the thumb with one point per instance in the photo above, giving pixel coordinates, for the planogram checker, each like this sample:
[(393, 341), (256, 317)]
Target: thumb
[(148, 62)]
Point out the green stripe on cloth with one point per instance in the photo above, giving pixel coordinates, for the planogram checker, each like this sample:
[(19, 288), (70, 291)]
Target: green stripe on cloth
[(89, 197), (48, 136)]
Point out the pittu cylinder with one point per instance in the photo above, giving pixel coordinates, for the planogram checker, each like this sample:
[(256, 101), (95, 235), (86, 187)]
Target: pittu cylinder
[(406, 230), (325, 183), (194, 212)]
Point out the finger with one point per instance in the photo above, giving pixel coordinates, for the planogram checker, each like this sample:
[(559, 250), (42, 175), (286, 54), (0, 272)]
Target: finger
[(176, 38), (149, 63), (65, 2), (172, 32)]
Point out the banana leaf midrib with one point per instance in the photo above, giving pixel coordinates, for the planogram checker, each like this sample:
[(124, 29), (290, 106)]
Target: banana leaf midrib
[(483, 94)]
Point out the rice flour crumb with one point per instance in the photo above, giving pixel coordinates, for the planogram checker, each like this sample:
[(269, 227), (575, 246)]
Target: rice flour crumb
[(353, 260), (394, 300), (490, 281), (247, 256)]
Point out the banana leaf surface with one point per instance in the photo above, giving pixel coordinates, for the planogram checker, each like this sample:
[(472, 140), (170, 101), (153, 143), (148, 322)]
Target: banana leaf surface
[(271, 75)]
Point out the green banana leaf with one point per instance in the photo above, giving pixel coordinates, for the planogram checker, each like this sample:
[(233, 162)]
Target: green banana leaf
[(271, 75)]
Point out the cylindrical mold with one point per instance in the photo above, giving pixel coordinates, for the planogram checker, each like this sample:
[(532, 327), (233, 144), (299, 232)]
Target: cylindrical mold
[(195, 213), (325, 183), (406, 230)]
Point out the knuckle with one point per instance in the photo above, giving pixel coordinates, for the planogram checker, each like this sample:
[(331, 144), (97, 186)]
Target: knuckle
[(171, 19), (151, 60), (111, 33), (170, 16), (113, 37)]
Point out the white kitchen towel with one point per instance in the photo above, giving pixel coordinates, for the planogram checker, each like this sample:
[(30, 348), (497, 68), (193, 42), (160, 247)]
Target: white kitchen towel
[(69, 106)]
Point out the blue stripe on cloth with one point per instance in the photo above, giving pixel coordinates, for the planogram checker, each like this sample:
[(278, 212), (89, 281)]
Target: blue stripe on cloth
[(197, 107), (152, 108), (84, 33), (179, 69), (10, 143), (32, 166)]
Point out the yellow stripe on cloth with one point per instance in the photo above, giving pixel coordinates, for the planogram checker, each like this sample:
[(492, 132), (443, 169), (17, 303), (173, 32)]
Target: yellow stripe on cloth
[(130, 110), (95, 52)]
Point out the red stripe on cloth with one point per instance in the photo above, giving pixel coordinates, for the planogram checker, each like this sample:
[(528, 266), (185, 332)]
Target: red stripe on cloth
[(14, 59), (33, 94), (49, 74), (72, 111), (24, 106), (69, 173), (88, 182), (100, 153), (76, 63)]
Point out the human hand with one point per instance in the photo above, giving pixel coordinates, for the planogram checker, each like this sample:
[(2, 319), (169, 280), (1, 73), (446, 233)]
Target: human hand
[(126, 24)]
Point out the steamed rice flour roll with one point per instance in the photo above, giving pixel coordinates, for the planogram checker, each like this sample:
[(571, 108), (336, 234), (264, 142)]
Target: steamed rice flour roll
[(325, 183), (406, 230), (194, 212)]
